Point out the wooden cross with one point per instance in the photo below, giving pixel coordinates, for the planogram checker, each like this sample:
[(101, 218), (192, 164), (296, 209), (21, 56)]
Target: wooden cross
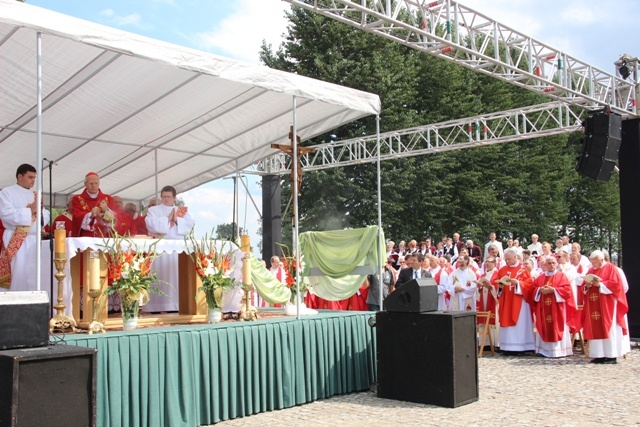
[(288, 150)]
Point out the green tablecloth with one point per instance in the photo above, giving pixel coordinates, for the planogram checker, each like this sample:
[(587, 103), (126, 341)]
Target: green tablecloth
[(201, 374)]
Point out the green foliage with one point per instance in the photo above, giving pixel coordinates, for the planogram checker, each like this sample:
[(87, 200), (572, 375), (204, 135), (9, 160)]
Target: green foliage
[(514, 189), (227, 230)]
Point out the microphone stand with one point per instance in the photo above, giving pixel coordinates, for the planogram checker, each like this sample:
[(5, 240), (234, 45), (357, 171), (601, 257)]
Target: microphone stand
[(50, 166)]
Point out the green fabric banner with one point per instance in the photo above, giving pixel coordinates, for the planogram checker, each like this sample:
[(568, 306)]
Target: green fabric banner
[(267, 286), (336, 254), (202, 374)]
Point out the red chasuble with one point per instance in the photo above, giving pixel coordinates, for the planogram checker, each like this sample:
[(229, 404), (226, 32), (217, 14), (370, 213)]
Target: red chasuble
[(597, 315), (550, 314), (510, 303), (81, 205), (490, 303)]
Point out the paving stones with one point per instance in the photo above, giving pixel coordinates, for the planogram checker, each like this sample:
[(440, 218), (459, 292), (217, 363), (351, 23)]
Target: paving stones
[(522, 391)]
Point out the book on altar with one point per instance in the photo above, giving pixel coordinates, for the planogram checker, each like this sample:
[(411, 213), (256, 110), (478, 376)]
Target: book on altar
[(590, 278)]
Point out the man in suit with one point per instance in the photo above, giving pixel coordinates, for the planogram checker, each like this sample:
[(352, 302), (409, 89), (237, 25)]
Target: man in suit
[(475, 252), (457, 242), (415, 270)]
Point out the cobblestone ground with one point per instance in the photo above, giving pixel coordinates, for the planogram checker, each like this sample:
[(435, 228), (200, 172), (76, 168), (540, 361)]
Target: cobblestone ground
[(514, 391)]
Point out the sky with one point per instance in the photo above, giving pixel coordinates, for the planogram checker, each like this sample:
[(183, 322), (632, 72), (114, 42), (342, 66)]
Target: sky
[(596, 32)]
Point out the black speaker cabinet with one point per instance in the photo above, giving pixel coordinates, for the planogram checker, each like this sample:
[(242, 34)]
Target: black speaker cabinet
[(600, 152), (415, 296), (48, 386), (24, 319), (427, 357)]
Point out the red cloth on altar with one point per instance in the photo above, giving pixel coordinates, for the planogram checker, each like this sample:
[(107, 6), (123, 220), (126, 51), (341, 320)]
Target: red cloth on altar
[(68, 223), (509, 302), (597, 314), (550, 314), (81, 205), (490, 303)]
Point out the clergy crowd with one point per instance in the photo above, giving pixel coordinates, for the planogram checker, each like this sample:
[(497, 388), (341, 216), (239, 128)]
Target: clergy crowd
[(538, 298)]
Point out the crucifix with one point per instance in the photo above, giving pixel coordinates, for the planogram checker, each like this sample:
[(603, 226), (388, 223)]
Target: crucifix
[(288, 150)]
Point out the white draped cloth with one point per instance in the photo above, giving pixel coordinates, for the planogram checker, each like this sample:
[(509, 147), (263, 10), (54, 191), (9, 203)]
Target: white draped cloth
[(15, 213), (166, 265)]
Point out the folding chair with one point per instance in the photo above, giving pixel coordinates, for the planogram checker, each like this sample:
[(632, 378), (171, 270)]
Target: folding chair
[(482, 334)]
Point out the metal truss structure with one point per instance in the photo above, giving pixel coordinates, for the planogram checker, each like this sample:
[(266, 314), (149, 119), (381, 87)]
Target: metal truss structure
[(456, 33), (517, 124)]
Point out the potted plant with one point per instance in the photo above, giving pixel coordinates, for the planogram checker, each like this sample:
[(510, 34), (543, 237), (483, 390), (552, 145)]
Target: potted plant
[(213, 267), (130, 276)]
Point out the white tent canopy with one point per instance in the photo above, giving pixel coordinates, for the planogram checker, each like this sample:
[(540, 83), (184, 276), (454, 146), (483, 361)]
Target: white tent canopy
[(113, 101)]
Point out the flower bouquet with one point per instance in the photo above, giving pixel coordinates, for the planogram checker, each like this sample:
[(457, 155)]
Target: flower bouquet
[(213, 267), (290, 266), (130, 275)]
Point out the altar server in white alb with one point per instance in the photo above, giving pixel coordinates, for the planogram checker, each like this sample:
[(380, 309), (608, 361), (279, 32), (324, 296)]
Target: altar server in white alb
[(18, 212), (462, 286), (169, 222)]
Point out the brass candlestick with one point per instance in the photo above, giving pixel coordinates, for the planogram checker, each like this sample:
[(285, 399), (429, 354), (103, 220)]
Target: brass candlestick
[(61, 322), (95, 327)]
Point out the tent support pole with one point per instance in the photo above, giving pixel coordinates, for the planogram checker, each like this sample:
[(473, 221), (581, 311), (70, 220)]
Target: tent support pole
[(380, 241), (39, 160), (294, 185)]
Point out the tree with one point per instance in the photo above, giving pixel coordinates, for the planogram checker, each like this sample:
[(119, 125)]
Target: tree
[(227, 230)]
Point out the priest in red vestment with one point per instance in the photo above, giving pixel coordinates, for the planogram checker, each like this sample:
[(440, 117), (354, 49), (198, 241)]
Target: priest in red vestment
[(514, 293), (555, 309), (67, 219), (94, 213), (605, 305)]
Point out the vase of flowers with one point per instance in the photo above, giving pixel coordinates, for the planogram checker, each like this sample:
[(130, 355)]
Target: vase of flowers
[(213, 267), (130, 276), (290, 266)]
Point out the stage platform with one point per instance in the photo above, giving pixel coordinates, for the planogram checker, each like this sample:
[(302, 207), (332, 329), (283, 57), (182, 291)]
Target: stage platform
[(191, 375)]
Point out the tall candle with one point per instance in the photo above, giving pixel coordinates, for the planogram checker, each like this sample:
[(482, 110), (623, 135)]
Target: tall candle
[(246, 271), (94, 270), (59, 236), (245, 245)]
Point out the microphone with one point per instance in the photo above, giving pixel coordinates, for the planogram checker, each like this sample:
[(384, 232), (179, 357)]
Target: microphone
[(51, 162)]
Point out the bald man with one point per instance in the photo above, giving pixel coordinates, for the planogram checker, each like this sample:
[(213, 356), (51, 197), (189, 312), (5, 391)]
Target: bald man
[(94, 213)]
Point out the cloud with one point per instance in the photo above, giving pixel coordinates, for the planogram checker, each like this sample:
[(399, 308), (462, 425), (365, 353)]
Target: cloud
[(240, 33), (132, 19)]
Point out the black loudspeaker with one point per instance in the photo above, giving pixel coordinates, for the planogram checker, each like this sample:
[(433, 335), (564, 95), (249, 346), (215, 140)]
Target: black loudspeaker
[(601, 146), (49, 386), (629, 208), (24, 319), (415, 296), (427, 357)]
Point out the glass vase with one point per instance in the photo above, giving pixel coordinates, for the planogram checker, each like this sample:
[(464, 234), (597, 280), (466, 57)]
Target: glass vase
[(130, 314)]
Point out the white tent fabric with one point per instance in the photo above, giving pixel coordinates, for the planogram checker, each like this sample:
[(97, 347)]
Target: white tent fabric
[(113, 101)]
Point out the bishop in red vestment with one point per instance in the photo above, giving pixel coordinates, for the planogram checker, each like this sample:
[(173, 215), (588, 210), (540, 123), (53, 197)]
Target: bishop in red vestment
[(94, 213), (555, 310), (605, 305), (516, 325)]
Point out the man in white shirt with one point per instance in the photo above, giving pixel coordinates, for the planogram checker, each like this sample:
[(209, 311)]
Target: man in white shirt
[(170, 222), (535, 247), (494, 242)]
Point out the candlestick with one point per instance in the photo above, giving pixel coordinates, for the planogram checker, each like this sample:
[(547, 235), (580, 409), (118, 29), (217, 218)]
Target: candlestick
[(94, 270), (248, 311), (61, 322), (59, 236)]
